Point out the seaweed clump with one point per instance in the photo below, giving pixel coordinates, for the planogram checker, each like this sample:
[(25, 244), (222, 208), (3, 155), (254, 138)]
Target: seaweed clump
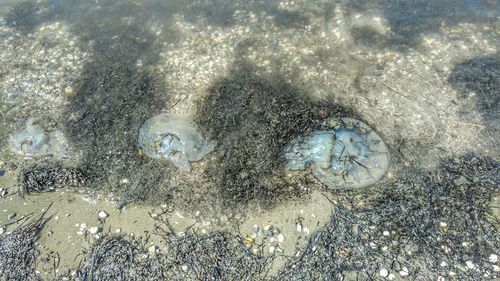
[(253, 118), (18, 253), (216, 256), (112, 101), (425, 226), (49, 176), (116, 258)]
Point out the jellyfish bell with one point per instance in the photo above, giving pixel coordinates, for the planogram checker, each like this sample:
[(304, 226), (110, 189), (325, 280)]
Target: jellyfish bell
[(349, 155), (175, 139), (34, 141)]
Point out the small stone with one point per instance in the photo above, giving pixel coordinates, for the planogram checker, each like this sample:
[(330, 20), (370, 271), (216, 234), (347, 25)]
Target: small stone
[(256, 228), (50, 232), (451, 273), (441, 278), (384, 272), (102, 214), (470, 264), (271, 249), (79, 232), (281, 238), (443, 264), (197, 213), (94, 230), (386, 233), (306, 230), (118, 230), (184, 268), (153, 249), (299, 227), (496, 268), (493, 258), (83, 226), (443, 224), (11, 216), (2, 230), (403, 272), (391, 276)]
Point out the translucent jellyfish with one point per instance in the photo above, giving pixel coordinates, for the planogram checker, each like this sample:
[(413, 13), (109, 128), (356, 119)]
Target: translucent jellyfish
[(175, 139), (34, 141), (348, 156)]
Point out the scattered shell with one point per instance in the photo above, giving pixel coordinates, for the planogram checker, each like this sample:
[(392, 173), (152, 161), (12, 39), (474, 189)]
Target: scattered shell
[(281, 238), (384, 272), (103, 214), (94, 230)]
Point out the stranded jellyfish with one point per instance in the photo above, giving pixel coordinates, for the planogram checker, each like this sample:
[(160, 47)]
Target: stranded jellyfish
[(349, 155), (175, 139), (34, 141)]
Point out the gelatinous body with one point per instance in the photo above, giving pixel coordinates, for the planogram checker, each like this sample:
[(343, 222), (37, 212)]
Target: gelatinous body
[(348, 156), (175, 139), (33, 141)]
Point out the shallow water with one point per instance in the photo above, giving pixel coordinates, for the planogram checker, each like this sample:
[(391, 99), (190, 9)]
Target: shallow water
[(423, 74)]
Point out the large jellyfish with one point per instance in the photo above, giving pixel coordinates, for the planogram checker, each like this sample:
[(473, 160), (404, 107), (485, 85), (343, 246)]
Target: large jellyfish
[(34, 141), (350, 155), (175, 139)]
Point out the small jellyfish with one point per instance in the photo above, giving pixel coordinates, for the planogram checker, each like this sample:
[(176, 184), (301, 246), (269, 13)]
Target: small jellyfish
[(348, 156), (34, 141), (173, 138)]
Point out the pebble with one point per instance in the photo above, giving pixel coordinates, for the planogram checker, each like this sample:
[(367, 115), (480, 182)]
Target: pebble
[(11, 216), (94, 230), (281, 238), (470, 264), (496, 268), (493, 258), (299, 227), (256, 228), (391, 276), (384, 272), (306, 230), (386, 233), (272, 249), (153, 249), (102, 214), (79, 232), (118, 230), (2, 230), (404, 272), (443, 264), (184, 267)]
